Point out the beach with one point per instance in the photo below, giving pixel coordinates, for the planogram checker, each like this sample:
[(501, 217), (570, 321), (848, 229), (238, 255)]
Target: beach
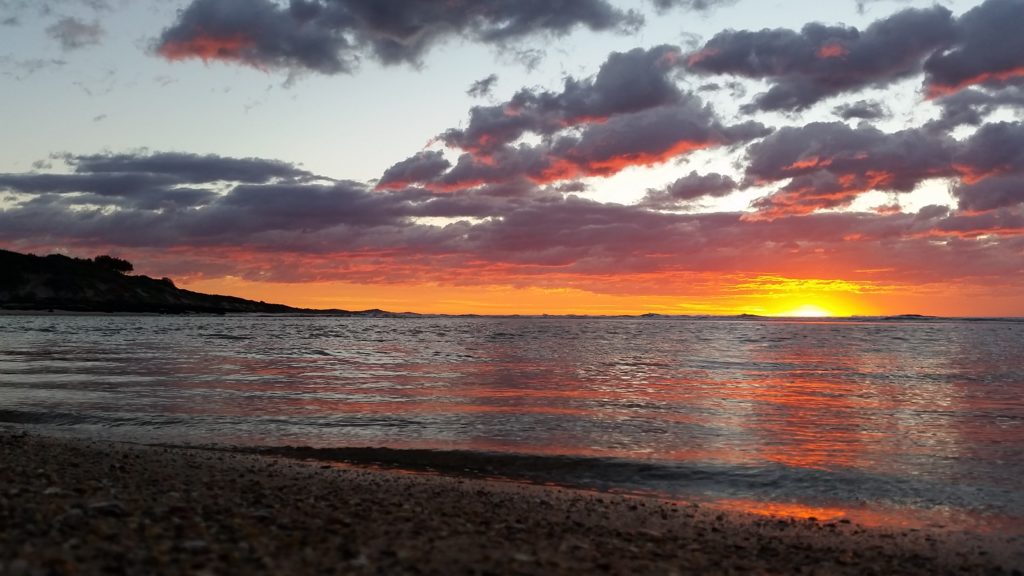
[(77, 506)]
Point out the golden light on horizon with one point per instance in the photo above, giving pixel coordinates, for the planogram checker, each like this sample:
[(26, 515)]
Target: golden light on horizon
[(807, 311), (774, 296)]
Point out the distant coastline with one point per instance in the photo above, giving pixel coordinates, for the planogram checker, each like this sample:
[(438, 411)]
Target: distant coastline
[(63, 285)]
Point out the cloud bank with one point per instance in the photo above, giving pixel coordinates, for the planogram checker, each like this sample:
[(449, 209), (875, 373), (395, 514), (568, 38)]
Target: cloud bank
[(332, 36)]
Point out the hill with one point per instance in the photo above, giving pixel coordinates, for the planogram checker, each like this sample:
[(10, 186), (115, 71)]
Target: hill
[(103, 284)]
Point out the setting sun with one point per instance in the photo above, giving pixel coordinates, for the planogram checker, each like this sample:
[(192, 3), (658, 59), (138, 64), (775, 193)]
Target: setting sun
[(808, 311)]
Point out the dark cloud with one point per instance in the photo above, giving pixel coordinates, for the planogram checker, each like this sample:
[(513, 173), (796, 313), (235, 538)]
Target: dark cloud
[(971, 106), (642, 138), (862, 110), (188, 168), (115, 185), (74, 34), (482, 87), (806, 194), (631, 113), (311, 228), (989, 48), (422, 167), (895, 162), (973, 225), (830, 164), (991, 168), (690, 4), (144, 181), (993, 192), (302, 207), (822, 61), (169, 198), (626, 82), (691, 187), (736, 89), (331, 36)]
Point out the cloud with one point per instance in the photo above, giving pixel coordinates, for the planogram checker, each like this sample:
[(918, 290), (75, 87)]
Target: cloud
[(422, 167), (144, 181), (991, 168), (862, 110), (164, 199), (971, 106), (188, 168), (991, 193), (482, 87), (73, 34), (691, 187), (631, 113), (806, 194), (287, 225), (821, 61), (699, 5), (626, 82), (989, 49), (600, 149), (332, 36), (829, 164)]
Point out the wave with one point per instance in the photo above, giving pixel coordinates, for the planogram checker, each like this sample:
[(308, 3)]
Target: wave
[(672, 479)]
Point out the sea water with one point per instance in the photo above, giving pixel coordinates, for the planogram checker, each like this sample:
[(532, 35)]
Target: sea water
[(895, 419)]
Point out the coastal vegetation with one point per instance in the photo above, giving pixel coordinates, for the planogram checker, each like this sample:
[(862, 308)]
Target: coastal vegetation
[(104, 284)]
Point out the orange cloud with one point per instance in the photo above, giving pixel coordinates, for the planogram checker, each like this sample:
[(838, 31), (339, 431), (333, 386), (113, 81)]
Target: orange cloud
[(206, 48), (833, 50), (566, 169), (936, 90), (809, 163), (972, 174), (698, 57)]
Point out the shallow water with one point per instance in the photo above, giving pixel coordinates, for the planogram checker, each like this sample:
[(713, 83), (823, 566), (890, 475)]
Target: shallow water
[(879, 419)]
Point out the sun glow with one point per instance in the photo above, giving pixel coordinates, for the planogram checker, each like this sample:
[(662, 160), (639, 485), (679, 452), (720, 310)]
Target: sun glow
[(807, 311)]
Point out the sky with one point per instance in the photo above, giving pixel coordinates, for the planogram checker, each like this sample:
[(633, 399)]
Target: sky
[(777, 157)]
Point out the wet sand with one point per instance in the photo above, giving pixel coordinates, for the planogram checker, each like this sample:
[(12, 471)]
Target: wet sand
[(87, 507)]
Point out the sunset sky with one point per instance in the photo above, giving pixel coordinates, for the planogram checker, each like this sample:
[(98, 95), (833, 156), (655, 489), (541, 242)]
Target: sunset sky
[(528, 156)]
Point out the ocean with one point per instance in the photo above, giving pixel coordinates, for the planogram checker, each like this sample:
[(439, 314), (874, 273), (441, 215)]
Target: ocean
[(908, 422)]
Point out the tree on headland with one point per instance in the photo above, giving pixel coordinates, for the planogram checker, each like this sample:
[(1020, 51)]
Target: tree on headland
[(113, 263)]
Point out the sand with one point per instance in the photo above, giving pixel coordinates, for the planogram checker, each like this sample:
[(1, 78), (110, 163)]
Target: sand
[(72, 506)]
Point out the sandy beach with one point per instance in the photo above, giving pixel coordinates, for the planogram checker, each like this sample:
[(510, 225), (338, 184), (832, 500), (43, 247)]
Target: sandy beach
[(85, 507)]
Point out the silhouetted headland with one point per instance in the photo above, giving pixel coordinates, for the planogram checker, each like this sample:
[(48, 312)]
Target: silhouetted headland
[(105, 284)]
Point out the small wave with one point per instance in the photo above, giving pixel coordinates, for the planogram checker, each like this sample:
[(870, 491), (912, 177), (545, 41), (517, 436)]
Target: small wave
[(218, 336), (694, 480)]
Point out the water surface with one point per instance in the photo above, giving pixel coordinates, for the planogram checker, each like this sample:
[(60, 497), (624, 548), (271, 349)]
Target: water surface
[(901, 420)]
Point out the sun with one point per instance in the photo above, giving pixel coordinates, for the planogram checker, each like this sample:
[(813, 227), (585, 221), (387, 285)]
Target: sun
[(807, 311)]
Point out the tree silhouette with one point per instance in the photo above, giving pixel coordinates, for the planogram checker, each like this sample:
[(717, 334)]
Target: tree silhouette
[(115, 264)]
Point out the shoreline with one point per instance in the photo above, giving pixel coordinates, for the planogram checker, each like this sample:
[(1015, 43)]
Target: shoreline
[(88, 506)]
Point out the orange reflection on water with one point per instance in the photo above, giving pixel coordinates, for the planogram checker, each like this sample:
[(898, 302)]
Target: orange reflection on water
[(783, 510), (800, 422), (808, 412), (875, 516)]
